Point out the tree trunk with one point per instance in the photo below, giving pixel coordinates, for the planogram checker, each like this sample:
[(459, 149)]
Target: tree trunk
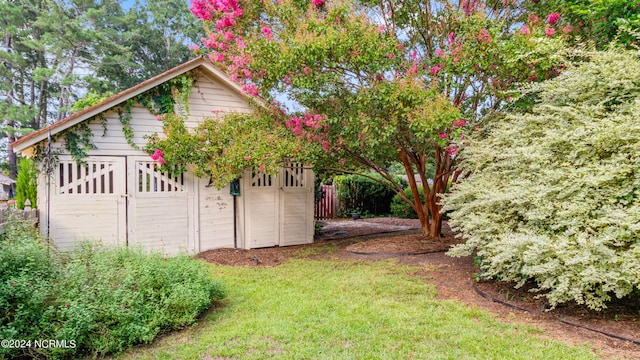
[(11, 155)]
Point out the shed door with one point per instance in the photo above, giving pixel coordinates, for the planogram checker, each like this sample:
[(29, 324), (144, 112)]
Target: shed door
[(296, 205), (279, 210), (262, 216), (88, 202), (160, 208)]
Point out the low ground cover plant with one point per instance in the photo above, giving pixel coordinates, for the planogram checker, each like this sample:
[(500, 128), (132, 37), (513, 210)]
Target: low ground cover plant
[(554, 195), (99, 300)]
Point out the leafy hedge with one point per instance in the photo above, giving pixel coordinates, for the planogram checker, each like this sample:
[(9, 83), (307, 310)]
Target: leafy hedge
[(358, 193), (554, 195), (104, 299), (401, 209)]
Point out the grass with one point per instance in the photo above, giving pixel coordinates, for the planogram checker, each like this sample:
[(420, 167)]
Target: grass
[(331, 309)]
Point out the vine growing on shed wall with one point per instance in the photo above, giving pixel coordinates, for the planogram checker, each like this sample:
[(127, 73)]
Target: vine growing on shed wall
[(160, 100)]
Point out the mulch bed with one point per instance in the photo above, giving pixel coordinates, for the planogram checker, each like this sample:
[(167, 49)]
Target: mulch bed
[(408, 244), (454, 279)]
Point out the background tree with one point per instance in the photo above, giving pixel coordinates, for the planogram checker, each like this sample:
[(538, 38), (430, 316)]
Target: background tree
[(26, 184), (156, 35), (54, 51), (554, 196), (379, 82)]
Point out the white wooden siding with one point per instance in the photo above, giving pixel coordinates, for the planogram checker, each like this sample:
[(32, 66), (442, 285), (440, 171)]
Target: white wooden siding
[(210, 96)]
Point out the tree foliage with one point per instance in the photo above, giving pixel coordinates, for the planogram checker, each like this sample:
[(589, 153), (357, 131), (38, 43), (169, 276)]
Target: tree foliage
[(54, 51), (599, 22), (26, 183), (222, 147), (376, 83), (555, 196)]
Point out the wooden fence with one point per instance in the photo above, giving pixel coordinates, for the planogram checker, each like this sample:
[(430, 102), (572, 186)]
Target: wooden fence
[(7, 213), (326, 205)]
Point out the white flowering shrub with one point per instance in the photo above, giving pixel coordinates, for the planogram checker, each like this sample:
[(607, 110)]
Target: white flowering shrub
[(554, 194)]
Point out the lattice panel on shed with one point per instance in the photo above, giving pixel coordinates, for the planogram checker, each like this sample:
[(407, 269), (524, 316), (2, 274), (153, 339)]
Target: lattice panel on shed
[(260, 179), (152, 180), (293, 175), (96, 177)]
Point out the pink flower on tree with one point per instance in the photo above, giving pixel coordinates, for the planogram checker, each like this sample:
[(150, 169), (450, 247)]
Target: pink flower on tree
[(484, 36), (549, 31), (439, 53), (524, 30), (193, 47), (326, 146), (228, 35), (567, 29), (413, 70), (451, 38), (451, 150), (224, 23), (240, 43), (250, 89), (380, 29), (209, 43), (533, 19), (391, 56), (267, 33), (459, 123), (435, 69), (201, 9), (306, 70), (553, 18), (317, 3), (443, 136), (158, 156), (217, 57)]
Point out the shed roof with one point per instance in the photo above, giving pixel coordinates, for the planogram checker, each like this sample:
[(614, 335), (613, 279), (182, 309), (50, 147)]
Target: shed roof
[(5, 180), (85, 114)]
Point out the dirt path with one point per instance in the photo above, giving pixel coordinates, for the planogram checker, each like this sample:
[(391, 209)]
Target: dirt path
[(453, 277)]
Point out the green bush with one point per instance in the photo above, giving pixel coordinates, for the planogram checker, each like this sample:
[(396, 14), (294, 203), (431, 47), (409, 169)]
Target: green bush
[(555, 193), (26, 183), (401, 209), (358, 193), (26, 276), (105, 299)]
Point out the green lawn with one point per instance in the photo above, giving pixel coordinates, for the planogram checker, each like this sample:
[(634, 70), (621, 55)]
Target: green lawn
[(333, 309)]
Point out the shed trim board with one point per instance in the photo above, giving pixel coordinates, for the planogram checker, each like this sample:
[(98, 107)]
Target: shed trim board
[(120, 197)]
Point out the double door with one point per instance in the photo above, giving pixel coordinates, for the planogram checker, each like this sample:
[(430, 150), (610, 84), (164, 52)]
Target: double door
[(122, 201), (278, 209)]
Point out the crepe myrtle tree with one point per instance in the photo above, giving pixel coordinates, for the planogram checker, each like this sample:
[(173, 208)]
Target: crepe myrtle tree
[(378, 81)]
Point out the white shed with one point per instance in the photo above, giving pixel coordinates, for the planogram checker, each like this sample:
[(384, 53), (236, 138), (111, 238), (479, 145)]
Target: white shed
[(119, 196)]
